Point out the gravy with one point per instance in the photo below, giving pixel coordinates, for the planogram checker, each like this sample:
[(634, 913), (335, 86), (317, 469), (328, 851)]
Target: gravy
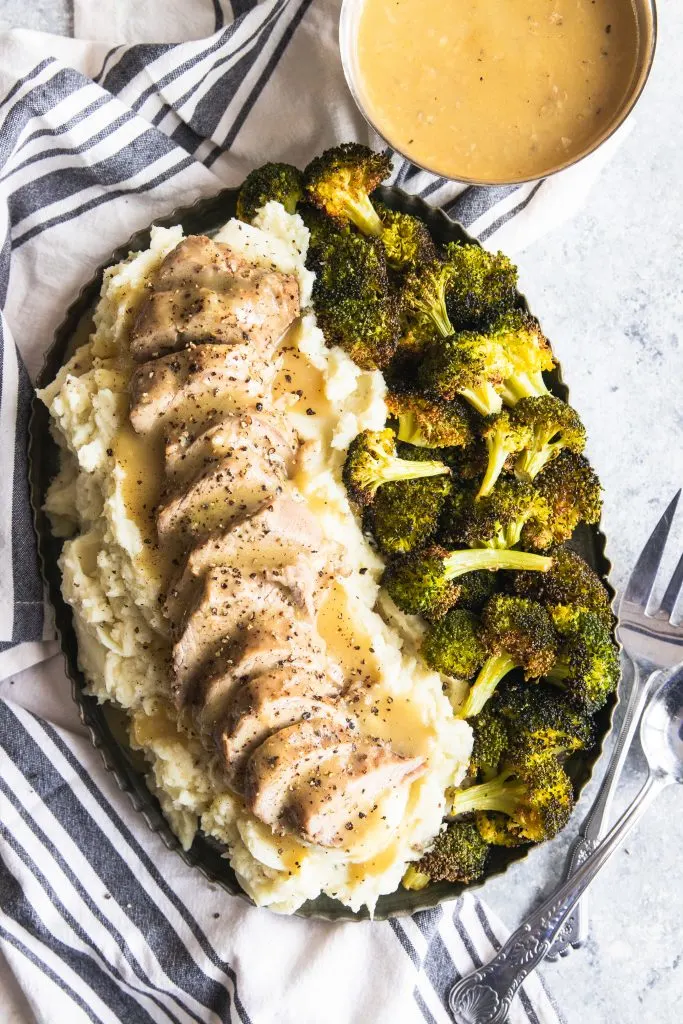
[(495, 90)]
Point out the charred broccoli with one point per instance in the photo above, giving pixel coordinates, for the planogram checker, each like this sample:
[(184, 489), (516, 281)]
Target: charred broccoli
[(516, 633), (572, 492), (468, 364), (281, 183), (423, 300), (491, 740), (367, 330), (458, 855), (406, 240), (504, 518), (587, 666), (570, 581), (405, 513), (554, 427), (340, 181), (535, 793), (483, 284), (494, 829), (423, 582), (372, 461), (543, 721), (475, 588), (350, 267), (452, 645), (504, 437), (430, 423)]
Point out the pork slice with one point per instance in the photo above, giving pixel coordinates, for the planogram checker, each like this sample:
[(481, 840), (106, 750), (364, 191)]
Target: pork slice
[(197, 385), (225, 602), (222, 492), (271, 701), (277, 535), (203, 293), (286, 759), (326, 806), (188, 450)]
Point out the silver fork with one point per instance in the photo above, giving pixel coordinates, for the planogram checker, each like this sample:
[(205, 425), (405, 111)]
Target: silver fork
[(651, 647), (653, 644)]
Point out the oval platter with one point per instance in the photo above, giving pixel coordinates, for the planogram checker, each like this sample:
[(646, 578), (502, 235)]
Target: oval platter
[(106, 723)]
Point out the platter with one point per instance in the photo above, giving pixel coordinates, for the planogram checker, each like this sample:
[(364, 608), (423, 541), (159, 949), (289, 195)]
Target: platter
[(107, 725)]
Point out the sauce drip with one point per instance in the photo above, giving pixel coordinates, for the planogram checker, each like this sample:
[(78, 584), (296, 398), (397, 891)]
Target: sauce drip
[(495, 90)]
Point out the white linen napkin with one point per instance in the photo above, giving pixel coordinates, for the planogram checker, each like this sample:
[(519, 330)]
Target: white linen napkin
[(153, 105)]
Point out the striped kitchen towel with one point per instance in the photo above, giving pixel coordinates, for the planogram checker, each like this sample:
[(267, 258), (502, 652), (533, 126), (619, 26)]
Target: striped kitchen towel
[(165, 102)]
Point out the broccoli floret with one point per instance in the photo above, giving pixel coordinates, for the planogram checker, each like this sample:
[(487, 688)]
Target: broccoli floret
[(542, 720), (423, 299), (554, 427), (570, 581), (406, 239), (536, 794), (517, 633), (340, 182), (502, 519), (469, 364), (458, 855), (372, 461), (452, 645), (350, 267), (491, 740), (323, 231), (469, 462), (494, 829), (367, 330), (504, 436), (528, 351), (281, 183), (405, 513), (423, 582), (587, 666), (429, 423), (572, 492), (483, 284), (475, 589)]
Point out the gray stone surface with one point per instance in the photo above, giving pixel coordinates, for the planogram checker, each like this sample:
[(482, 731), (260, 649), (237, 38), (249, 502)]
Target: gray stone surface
[(608, 289)]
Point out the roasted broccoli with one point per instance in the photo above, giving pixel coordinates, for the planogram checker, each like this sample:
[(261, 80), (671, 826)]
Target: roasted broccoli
[(458, 855), (483, 284), (281, 183), (535, 793), (406, 239), (340, 181), (323, 232), (475, 589), (571, 581), (516, 633), (491, 740), (554, 427), (543, 720), (505, 436), (372, 461), (587, 666), (528, 351), (572, 492), (469, 364), (430, 423), (405, 513), (494, 829), (452, 645), (423, 300), (423, 582), (350, 267), (503, 519)]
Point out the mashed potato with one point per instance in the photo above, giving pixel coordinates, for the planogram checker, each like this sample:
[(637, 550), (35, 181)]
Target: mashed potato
[(113, 586)]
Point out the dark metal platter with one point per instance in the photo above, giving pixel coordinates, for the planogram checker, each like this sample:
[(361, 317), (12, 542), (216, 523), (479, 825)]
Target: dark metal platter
[(105, 722)]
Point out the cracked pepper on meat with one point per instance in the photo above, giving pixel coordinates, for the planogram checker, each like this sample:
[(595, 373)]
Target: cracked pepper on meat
[(223, 592)]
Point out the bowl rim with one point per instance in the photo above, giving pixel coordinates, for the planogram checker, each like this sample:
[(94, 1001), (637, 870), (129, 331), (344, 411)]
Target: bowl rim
[(206, 854), (350, 10)]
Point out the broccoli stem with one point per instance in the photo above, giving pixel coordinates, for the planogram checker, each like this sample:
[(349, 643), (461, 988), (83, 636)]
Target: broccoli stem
[(414, 878), (363, 214), (500, 794), (457, 563), (485, 399), (409, 431), (483, 687), (407, 469), (523, 385), (531, 462), (498, 455)]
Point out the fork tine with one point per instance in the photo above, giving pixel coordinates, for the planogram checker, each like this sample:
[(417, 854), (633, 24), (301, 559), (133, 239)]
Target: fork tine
[(642, 579), (673, 590)]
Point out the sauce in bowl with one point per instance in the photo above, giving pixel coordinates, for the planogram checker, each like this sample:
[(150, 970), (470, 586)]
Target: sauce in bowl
[(495, 90)]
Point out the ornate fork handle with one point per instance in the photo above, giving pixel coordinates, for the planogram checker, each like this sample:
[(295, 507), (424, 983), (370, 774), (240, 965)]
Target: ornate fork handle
[(575, 928), (485, 996)]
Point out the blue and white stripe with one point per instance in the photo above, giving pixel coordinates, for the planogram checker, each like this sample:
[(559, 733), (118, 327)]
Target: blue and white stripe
[(84, 906)]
